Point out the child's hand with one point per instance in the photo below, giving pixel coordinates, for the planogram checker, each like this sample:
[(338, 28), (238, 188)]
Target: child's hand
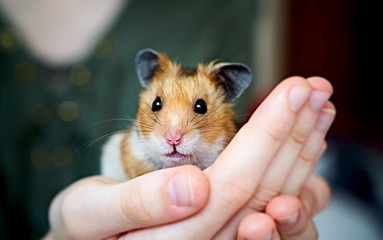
[(272, 154)]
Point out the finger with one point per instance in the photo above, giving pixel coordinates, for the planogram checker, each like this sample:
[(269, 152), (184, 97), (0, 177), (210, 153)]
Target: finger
[(238, 170), (257, 226), (96, 208), (293, 216), (284, 160), (311, 151), (316, 194), (259, 140), (304, 136)]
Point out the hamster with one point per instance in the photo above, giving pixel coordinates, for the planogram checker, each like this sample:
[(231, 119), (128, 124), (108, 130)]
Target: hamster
[(184, 116)]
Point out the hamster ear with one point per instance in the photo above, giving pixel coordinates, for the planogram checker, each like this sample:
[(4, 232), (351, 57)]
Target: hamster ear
[(235, 78), (147, 63)]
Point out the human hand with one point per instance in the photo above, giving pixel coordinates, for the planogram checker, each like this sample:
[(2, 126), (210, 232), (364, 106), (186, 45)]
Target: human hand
[(103, 208), (298, 153), (315, 196), (232, 183), (274, 153), (288, 217)]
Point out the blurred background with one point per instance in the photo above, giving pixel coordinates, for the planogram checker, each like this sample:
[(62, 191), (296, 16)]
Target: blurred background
[(340, 40), (67, 76)]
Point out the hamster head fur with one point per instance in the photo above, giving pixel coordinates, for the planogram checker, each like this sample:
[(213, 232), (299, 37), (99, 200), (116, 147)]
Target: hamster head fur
[(185, 115)]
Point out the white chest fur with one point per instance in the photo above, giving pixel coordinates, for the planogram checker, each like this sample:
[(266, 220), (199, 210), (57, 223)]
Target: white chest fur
[(110, 158)]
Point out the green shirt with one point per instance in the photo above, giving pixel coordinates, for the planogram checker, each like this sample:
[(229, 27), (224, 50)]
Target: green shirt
[(53, 121)]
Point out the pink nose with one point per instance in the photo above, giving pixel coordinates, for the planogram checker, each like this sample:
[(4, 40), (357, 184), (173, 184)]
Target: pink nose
[(173, 136)]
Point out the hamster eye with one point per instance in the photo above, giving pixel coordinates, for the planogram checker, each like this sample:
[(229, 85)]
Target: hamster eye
[(157, 105), (200, 106)]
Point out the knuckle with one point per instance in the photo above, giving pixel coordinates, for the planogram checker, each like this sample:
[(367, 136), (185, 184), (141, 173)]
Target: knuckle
[(262, 197), (257, 204), (233, 195), (276, 136), (298, 137), (306, 156), (134, 208)]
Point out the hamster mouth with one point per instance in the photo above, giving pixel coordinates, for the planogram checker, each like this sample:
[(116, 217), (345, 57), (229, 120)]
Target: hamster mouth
[(175, 154)]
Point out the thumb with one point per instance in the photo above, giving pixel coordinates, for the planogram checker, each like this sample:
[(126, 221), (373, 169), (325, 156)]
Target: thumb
[(99, 207)]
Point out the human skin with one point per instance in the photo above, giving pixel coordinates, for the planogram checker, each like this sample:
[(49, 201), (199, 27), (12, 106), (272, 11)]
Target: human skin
[(260, 187)]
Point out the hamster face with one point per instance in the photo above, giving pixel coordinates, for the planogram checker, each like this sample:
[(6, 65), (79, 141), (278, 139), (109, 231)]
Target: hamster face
[(183, 119)]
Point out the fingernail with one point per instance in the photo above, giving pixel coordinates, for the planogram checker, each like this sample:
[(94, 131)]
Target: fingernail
[(180, 190), (289, 220), (298, 96), (325, 119), (318, 99)]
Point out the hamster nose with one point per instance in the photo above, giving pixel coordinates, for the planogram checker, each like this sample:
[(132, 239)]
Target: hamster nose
[(173, 136)]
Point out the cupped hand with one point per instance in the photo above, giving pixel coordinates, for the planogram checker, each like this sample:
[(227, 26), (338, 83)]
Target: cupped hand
[(296, 142), (273, 154)]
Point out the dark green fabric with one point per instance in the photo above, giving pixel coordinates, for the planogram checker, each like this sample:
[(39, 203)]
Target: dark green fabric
[(40, 152)]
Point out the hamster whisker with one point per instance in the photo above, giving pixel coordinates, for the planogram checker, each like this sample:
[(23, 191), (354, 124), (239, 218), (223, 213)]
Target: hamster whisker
[(216, 125), (243, 115), (207, 115), (187, 120), (145, 133), (92, 142), (146, 124), (240, 120), (139, 108), (193, 157), (212, 132), (206, 128), (138, 142), (158, 120), (148, 115), (195, 115), (117, 116), (113, 119)]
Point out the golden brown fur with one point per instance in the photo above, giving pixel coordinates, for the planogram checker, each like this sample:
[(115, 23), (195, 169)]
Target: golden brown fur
[(179, 90), (133, 167)]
